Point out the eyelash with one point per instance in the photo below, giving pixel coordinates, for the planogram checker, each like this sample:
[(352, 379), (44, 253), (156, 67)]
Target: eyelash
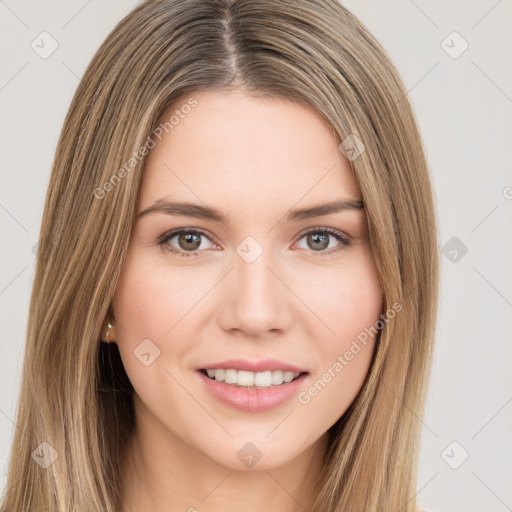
[(162, 241)]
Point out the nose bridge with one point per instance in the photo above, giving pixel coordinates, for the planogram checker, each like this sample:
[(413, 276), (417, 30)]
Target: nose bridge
[(251, 270), (256, 303)]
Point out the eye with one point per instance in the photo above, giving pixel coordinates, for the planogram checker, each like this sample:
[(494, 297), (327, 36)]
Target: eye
[(318, 240), (188, 240), (190, 244)]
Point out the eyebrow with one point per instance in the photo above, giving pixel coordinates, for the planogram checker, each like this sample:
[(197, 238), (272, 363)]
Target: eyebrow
[(211, 213)]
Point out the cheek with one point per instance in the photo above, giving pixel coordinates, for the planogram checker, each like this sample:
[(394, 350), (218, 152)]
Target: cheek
[(150, 303), (151, 298), (350, 303), (138, 304), (346, 301), (155, 301), (146, 307), (359, 302)]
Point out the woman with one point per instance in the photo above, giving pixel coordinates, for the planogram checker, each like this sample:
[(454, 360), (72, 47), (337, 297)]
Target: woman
[(237, 301)]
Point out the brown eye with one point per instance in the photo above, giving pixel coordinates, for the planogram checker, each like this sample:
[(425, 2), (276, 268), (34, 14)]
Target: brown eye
[(319, 239), (187, 243)]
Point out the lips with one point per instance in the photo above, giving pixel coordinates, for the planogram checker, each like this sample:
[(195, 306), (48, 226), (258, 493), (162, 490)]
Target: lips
[(252, 386)]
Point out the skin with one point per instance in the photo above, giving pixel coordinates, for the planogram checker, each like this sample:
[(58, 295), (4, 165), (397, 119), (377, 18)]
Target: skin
[(254, 159)]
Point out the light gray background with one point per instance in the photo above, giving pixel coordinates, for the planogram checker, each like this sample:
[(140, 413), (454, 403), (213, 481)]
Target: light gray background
[(464, 108)]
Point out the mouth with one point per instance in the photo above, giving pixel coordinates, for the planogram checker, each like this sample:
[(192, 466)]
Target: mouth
[(251, 380), (248, 391), (251, 385)]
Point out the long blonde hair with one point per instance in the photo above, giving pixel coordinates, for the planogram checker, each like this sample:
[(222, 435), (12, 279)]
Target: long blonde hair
[(75, 395)]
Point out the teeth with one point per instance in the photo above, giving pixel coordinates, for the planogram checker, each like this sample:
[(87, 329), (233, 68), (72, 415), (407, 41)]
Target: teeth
[(230, 377), (288, 376), (250, 379), (263, 379), (243, 378), (277, 377)]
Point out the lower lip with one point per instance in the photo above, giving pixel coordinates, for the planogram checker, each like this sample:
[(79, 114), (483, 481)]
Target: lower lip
[(252, 399)]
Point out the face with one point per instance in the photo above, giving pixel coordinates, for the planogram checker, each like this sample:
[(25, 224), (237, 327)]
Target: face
[(242, 284)]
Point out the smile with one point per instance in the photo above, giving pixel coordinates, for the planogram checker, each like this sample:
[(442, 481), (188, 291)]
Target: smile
[(258, 391)]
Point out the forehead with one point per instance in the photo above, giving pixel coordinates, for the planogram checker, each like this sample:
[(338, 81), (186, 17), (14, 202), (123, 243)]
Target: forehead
[(234, 147)]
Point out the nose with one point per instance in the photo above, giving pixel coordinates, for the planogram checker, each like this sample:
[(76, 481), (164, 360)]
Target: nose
[(254, 300)]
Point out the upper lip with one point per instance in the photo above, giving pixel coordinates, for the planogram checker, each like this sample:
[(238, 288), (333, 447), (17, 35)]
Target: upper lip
[(253, 366)]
